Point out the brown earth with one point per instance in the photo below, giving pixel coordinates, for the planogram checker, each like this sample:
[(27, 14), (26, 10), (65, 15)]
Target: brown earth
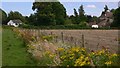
[(93, 39)]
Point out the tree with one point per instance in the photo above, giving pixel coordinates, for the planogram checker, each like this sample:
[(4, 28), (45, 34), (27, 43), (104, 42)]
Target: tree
[(72, 19), (68, 21), (59, 12), (112, 10), (49, 13), (106, 8), (82, 17), (76, 18), (89, 18), (3, 16), (81, 10), (75, 12), (116, 22), (16, 15)]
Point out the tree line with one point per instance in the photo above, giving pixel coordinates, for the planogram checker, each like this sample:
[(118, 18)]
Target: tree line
[(54, 13)]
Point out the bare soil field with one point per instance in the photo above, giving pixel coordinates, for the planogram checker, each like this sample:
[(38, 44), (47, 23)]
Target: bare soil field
[(93, 39)]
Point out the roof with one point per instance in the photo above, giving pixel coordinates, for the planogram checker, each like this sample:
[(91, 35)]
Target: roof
[(92, 23), (109, 14), (106, 14), (17, 21)]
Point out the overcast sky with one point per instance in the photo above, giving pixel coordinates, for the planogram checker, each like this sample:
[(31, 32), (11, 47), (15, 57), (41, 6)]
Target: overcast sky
[(91, 8)]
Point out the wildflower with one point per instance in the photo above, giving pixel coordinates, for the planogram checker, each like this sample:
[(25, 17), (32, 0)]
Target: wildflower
[(86, 58), (83, 49), (88, 63), (60, 49), (71, 57), (48, 52), (114, 55), (108, 62), (63, 57), (52, 55), (75, 49), (101, 52), (92, 53)]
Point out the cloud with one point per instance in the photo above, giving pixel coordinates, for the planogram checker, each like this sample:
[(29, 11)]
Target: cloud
[(91, 6)]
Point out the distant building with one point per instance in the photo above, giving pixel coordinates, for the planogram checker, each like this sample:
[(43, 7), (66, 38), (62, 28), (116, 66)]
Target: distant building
[(92, 23), (14, 23), (106, 19)]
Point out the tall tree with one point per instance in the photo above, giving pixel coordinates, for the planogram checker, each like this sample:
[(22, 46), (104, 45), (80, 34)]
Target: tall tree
[(3, 16), (81, 10), (75, 12), (82, 16), (106, 8), (49, 13), (59, 12), (76, 18), (16, 15)]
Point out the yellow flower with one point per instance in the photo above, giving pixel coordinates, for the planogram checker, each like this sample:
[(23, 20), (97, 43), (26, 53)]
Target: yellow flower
[(52, 55), (83, 63), (88, 63), (108, 62), (114, 55), (71, 57), (86, 59), (48, 52), (93, 53), (60, 49), (83, 49), (63, 57), (100, 52), (75, 49)]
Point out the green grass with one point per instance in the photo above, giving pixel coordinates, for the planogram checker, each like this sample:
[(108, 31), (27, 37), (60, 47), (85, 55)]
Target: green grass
[(13, 50), (0, 46)]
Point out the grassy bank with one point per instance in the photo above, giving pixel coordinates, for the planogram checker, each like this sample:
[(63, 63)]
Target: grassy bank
[(13, 50)]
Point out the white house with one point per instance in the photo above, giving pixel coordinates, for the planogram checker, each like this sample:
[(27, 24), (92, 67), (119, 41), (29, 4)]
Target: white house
[(14, 23), (94, 26)]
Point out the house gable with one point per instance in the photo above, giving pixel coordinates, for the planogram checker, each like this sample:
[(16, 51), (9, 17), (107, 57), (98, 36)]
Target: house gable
[(14, 23)]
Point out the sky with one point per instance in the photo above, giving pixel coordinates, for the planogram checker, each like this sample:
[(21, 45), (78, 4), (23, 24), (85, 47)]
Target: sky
[(91, 8)]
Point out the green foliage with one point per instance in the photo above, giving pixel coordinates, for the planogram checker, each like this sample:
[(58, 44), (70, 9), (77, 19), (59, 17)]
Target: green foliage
[(83, 24), (3, 16), (68, 21), (47, 59), (15, 15), (48, 13), (77, 56), (116, 22), (81, 10), (104, 58), (72, 26)]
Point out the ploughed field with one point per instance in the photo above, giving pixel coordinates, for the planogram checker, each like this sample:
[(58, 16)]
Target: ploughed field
[(90, 39)]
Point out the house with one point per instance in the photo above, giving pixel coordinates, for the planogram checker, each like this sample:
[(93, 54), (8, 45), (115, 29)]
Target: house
[(106, 19), (92, 23), (14, 23)]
